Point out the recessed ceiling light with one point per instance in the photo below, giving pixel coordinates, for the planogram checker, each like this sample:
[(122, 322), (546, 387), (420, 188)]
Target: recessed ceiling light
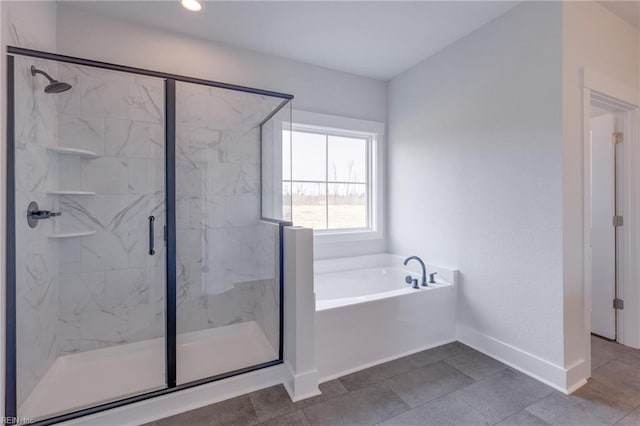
[(192, 5)]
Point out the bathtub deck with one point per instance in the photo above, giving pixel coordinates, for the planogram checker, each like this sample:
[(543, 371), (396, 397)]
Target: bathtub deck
[(88, 378)]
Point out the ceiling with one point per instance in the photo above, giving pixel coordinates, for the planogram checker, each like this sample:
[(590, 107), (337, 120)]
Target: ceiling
[(372, 39), (627, 10)]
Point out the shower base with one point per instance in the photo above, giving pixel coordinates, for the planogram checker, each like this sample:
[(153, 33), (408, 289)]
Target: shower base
[(90, 378)]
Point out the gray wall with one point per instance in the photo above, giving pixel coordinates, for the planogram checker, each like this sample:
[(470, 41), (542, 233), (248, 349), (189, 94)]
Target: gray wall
[(475, 151)]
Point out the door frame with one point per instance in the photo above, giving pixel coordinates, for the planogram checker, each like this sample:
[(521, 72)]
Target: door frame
[(618, 98), (616, 118)]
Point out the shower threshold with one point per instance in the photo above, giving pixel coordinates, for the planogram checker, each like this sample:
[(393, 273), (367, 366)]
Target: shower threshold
[(90, 378)]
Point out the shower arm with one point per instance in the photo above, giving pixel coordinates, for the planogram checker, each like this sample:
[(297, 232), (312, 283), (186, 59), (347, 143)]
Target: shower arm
[(35, 71)]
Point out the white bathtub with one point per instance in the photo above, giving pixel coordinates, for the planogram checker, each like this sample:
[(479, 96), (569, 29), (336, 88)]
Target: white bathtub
[(366, 314)]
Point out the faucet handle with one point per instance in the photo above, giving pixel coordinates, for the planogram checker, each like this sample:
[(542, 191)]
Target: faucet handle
[(431, 278), (413, 281)]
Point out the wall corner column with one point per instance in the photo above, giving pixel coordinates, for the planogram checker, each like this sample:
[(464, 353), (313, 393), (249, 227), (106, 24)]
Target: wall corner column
[(299, 318)]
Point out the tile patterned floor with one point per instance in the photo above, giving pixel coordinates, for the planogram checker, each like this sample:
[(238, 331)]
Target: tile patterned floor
[(448, 385)]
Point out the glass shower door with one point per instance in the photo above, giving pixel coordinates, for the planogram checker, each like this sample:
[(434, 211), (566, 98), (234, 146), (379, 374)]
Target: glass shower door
[(90, 252), (228, 295)]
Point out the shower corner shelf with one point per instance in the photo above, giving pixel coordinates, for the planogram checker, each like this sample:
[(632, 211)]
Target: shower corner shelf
[(71, 234), (63, 192), (73, 151)]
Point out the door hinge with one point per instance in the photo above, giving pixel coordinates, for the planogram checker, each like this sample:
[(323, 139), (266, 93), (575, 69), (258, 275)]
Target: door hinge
[(618, 221), (618, 304), (617, 137)]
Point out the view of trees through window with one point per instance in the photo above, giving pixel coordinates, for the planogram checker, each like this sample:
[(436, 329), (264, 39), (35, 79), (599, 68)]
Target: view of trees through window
[(325, 180)]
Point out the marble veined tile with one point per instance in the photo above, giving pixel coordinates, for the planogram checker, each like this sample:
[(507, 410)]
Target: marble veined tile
[(206, 145), (106, 175), (81, 132), (104, 98), (145, 176), (80, 213), (104, 251), (240, 147), (146, 102), (224, 243), (99, 328), (125, 290), (35, 168), (130, 213), (225, 308), (207, 212), (233, 179), (191, 108), (36, 256), (183, 212), (191, 177), (191, 245), (224, 113), (134, 139), (69, 102), (80, 291), (242, 210)]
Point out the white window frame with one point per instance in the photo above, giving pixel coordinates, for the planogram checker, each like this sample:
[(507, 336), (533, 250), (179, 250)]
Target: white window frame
[(372, 130)]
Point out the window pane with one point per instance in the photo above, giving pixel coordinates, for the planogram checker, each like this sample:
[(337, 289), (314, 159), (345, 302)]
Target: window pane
[(286, 201), (347, 159), (309, 205), (309, 156), (286, 155), (347, 206)]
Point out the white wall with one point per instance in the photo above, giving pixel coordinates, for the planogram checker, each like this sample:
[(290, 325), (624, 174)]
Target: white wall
[(316, 89), (596, 39), (475, 156)]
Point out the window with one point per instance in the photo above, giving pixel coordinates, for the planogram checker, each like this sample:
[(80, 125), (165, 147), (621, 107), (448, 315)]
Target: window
[(330, 175)]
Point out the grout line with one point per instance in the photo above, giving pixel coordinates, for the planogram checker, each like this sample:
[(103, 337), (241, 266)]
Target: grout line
[(399, 414), (473, 378), (305, 416), (413, 365), (328, 399), (626, 415), (449, 393), (525, 408)]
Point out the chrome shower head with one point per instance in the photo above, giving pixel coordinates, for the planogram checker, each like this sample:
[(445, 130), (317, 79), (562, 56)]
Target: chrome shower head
[(54, 86)]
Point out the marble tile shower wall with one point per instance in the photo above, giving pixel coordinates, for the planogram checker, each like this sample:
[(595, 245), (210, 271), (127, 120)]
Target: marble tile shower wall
[(226, 256), (36, 254), (90, 292), (110, 290)]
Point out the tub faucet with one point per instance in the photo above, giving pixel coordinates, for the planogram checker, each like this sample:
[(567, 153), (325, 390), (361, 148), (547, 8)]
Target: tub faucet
[(424, 268)]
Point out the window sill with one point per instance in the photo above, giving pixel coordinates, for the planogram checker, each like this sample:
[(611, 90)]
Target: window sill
[(332, 237)]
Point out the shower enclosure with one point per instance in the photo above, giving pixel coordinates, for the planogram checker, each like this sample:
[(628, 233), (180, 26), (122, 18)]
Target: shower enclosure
[(144, 246)]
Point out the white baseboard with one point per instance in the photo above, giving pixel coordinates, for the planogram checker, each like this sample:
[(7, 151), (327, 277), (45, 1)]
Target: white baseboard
[(186, 400), (383, 360), (302, 385), (559, 378)]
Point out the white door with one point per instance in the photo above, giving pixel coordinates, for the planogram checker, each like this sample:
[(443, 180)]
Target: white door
[(603, 320)]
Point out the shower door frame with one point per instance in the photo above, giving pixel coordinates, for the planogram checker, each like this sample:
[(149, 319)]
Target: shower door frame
[(171, 259)]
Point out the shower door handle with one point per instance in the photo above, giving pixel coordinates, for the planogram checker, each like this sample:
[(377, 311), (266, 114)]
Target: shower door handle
[(152, 220)]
